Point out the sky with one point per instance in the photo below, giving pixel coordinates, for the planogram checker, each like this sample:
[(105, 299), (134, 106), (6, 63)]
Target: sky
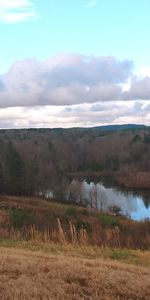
[(71, 63)]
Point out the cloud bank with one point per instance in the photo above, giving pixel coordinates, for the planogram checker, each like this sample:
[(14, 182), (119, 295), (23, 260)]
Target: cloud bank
[(14, 11), (73, 90), (86, 115), (70, 79)]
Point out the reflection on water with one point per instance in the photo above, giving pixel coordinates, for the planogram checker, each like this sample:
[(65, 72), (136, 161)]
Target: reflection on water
[(141, 212), (101, 195), (132, 203)]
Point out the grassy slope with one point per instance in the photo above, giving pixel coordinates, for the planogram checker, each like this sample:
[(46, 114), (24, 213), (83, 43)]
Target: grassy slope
[(38, 275), (37, 270), (104, 230)]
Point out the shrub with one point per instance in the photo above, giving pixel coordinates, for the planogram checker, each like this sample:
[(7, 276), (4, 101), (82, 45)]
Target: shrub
[(65, 219), (52, 217), (84, 212), (85, 225), (71, 211), (17, 217), (109, 221)]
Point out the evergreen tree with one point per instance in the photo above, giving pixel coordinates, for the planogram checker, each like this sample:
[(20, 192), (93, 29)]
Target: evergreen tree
[(15, 170)]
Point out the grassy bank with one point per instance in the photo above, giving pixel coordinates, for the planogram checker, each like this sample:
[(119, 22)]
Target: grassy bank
[(56, 251), (34, 219)]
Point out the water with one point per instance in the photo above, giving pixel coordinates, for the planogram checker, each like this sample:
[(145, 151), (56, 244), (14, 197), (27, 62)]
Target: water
[(135, 204), (102, 195)]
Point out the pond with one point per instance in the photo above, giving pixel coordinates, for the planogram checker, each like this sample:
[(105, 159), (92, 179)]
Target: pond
[(133, 203), (104, 196)]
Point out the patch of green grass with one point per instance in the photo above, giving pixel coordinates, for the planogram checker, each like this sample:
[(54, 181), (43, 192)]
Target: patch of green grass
[(9, 243), (33, 246), (71, 212), (17, 217), (134, 257), (108, 221), (120, 254), (83, 224)]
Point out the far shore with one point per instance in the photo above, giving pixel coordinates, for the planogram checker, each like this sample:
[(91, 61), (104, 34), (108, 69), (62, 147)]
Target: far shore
[(139, 180)]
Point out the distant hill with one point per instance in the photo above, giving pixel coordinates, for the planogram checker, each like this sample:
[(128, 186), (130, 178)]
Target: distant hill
[(121, 127)]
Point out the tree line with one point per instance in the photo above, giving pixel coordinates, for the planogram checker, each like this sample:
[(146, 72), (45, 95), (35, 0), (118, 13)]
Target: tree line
[(34, 160)]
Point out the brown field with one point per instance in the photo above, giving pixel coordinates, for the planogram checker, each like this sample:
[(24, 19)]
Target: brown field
[(37, 275), (46, 255)]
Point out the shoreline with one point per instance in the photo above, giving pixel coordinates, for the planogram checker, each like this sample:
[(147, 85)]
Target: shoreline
[(140, 180)]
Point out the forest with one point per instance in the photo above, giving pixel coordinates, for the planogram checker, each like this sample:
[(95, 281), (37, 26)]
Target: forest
[(34, 160)]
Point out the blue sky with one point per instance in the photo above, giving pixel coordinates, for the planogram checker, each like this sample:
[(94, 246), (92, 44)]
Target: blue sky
[(110, 27), (63, 38)]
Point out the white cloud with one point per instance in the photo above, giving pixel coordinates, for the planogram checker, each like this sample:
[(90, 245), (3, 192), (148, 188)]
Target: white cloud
[(63, 80), (73, 90), (14, 11), (110, 113), (71, 79), (139, 89), (143, 72), (76, 115)]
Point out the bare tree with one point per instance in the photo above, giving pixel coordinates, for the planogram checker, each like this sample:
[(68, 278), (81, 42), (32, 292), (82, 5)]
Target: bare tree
[(97, 197), (75, 191)]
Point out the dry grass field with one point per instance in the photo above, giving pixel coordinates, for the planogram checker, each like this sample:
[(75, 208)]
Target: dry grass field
[(52, 251), (26, 274)]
